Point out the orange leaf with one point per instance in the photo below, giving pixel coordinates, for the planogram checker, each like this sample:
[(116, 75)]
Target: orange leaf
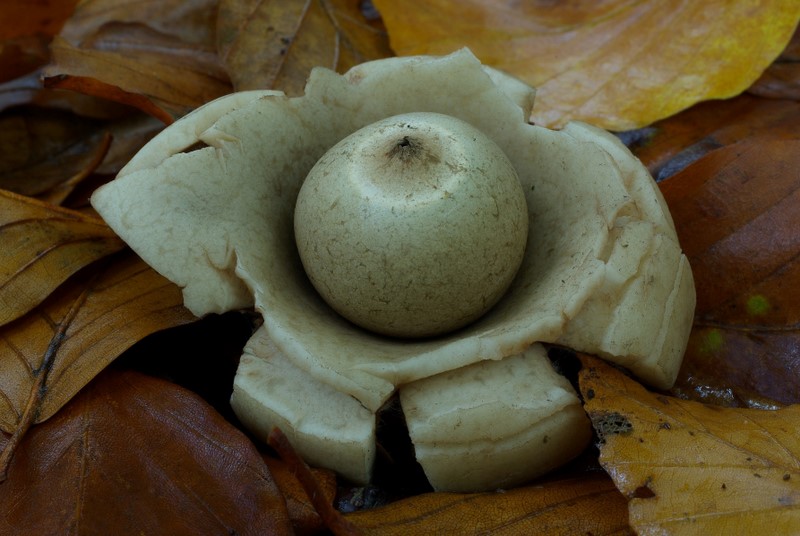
[(690, 468), (588, 505), (616, 64), (737, 214), (276, 44), (42, 246), (47, 356), (135, 455)]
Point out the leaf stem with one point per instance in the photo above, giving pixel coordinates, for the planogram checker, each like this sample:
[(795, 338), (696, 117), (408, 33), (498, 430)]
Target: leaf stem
[(331, 517)]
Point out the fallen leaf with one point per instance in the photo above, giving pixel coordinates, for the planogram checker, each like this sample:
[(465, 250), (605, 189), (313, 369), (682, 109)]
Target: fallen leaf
[(668, 146), (737, 214), (586, 505), (304, 518), (782, 79), (136, 455), (190, 21), (22, 55), (159, 57), (275, 44), (619, 64), (157, 83), (690, 468), (23, 17), (314, 488), (46, 154), (43, 245), (51, 353)]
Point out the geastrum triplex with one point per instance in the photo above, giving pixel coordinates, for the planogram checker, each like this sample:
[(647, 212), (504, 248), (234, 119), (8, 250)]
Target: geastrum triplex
[(438, 239)]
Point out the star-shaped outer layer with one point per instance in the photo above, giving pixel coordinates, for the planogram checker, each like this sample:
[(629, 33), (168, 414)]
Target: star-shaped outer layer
[(209, 203)]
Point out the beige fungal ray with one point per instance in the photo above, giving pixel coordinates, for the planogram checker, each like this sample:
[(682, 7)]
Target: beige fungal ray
[(210, 203)]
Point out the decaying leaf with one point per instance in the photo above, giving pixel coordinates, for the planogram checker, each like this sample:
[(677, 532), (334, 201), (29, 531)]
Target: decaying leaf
[(275, 44), (618, 64), (42, 246), (689, 468), (737, 213), (136, 455), (588, 505), (47, 356)]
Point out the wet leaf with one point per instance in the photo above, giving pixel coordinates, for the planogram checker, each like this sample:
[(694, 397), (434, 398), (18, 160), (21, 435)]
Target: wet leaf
[(588, 505), (275, 44), (136, 455), (689, 468), (618, 64), (42, 246), (737, 214), (47, 356)]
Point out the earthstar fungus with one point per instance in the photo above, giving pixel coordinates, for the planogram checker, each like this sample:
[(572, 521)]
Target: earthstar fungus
[(210, 203)]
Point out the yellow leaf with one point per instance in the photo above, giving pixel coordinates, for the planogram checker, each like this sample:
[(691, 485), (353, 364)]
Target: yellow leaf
[(588, 505), (691, 468), (616, 64), (48, 355), (42, 246)]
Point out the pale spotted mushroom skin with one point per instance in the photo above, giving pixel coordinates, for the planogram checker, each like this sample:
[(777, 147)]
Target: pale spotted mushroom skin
[(602, 272)]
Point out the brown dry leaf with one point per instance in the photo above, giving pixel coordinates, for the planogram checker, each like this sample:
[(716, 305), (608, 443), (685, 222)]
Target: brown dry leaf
[(616, 64), (782, 79), (135, 455), (587, 505), (672, 144), (42, 246), (690, 468), (304, 518), (275, 44), (737, 214), (157, 56), (46, 153), (47, 356), (146, 72)]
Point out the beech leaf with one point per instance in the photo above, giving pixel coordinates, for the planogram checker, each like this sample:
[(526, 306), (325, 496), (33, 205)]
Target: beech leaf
[(141, 54), (782, 79), (587, 505), (51, 353), (690, 468), (737, 214), (42, 246), (670, 145), (617, 64), (137, 455), (275, 44)]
